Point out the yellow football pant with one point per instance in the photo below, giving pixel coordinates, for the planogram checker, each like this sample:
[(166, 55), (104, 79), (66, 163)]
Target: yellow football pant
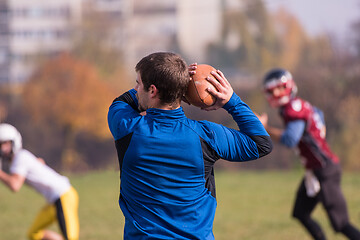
[(65, 211)]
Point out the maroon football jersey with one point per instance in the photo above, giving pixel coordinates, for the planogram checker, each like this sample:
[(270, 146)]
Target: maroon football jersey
[(313, 146)]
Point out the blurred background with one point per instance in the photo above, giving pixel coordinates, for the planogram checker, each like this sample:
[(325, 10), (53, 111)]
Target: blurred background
[(62, 62)]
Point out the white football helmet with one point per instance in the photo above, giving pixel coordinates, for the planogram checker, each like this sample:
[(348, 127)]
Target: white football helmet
[(10, 133)]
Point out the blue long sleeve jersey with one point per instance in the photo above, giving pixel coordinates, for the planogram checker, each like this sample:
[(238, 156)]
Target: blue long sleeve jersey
[(167, 187)]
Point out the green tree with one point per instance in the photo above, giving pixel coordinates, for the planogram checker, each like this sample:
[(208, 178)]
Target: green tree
[(349, 150), (96, 40), (355, 27), (237, 47), (263, 32), (253, 40), (292, 40)]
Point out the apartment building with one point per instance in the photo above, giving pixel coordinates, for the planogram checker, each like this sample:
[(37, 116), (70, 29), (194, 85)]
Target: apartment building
[(185, 26), (30, 29)]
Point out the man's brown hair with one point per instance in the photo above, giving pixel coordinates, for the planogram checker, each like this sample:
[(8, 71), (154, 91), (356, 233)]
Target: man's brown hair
[(168, 72)]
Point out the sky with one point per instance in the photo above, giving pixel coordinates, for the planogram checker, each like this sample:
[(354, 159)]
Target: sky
[(322, 16)]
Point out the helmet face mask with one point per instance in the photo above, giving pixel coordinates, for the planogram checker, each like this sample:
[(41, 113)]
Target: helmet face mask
[(279, 87), (6, 149), (10, 133)]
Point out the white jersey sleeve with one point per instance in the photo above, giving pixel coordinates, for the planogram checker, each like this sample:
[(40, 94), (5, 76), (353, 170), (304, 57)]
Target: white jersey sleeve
[(39, 176)]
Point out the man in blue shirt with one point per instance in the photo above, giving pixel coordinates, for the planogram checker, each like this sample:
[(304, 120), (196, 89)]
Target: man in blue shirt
[(167, 188)]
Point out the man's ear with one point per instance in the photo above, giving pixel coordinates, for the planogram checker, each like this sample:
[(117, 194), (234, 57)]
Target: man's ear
[(153, 90)]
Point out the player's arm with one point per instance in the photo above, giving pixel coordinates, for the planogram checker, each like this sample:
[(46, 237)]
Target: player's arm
[(250, 127), (122, 110), (13, 181), (41, 160), (290, 136), (293, 132), (128, 97), (246, 120), (275, 133)]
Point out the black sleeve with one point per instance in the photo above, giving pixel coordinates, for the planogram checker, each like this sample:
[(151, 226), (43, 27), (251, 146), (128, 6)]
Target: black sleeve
[(126, 97), (210, 156), (264, 144)]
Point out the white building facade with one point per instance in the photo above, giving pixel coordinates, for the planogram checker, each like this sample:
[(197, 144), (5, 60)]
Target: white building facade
[(33, 28), (30, 29)]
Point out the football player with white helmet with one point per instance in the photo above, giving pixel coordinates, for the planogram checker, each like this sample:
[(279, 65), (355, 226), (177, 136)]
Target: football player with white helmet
[(62, 198)]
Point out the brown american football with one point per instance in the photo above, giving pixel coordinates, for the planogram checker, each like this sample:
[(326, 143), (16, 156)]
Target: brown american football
[(197, 93)]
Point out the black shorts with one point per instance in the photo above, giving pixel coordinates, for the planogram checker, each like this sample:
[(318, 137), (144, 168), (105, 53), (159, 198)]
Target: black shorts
[(330, 196)]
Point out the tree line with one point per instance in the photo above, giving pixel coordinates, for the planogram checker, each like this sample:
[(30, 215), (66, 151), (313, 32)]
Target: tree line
[(61, 110)]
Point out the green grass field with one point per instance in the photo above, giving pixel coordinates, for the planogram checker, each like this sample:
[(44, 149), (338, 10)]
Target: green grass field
[(252, 205)]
